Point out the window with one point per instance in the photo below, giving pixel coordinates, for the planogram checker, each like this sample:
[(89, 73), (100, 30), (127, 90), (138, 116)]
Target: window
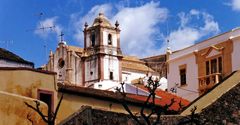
[(61, 63), (47, 97), (183, 74), (183, 77), (111, 76), (91, 73), (99, 85), (207, 68), (220, 64), (214, 66), (109, 39), (93, 38)]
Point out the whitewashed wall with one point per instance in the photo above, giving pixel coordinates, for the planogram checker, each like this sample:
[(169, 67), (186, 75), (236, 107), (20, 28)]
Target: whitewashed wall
[(6, 63), (105, 38), (91, 65), (191, 74), (111, 64), (128, 76), (236, 54)]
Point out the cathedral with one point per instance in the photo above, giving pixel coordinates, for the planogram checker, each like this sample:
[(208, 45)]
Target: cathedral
[(100, 64)]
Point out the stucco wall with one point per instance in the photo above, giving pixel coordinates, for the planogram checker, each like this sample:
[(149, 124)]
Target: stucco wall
[(72, 103), (111, 64), (25, 82), (128, 76), (91, 69), (191, 77), (13, 111), (105, 38), (236, 54), (61, 53)]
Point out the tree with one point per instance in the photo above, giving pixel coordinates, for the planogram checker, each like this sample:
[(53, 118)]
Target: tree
[(155, 110), (50, 118)]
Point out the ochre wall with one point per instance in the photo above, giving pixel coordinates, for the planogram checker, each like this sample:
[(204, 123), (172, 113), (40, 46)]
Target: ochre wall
[(23, 83), (26, 82), (13, 111), (72, 103), (226, 57)]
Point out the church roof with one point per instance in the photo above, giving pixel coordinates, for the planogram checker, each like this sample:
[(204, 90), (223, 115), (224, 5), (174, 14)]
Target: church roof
[(101, 19), (134, 64), (75, 49), (7, 55)]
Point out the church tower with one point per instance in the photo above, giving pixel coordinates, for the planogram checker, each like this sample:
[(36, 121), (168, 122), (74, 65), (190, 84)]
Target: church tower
[(102, 57)]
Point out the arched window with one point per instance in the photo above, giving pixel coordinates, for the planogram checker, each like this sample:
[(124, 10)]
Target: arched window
[(109, 39), (93, 38)]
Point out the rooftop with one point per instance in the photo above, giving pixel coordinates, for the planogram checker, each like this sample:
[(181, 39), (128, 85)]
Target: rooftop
[(166, 98), (131, 98), (134, 64), (7, 55), (101, 19)]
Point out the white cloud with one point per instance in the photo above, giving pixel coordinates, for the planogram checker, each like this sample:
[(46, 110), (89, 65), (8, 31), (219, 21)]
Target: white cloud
[(187, 33), (79, 22), (48, 26), (235, 4), (138, 26)]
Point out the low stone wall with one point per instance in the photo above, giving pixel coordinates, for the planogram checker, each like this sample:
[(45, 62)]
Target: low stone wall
[(13, 110)]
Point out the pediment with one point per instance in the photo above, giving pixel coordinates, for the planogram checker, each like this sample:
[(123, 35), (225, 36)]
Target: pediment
[(213, 53)]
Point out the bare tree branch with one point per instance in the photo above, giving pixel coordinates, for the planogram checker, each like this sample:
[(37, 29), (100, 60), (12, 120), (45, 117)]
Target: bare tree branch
[(50, 119), (29, 118), (37, 110)]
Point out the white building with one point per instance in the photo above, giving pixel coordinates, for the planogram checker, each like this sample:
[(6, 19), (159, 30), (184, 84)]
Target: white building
[(9, 59), (100, 64), (195, 69)]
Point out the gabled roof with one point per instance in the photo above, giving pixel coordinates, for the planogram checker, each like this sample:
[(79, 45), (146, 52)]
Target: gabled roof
[(7, 55)]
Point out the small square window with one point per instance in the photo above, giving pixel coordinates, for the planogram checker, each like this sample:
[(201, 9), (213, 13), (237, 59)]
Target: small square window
[(91, 73)]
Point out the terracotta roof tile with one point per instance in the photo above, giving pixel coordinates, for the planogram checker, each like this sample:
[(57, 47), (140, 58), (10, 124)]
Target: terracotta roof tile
[(165, 98)]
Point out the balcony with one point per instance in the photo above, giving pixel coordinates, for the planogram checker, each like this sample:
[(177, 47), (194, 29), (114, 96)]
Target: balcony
[(208, 81)]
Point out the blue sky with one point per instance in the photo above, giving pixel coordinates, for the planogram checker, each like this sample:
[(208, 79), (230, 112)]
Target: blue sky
[(145, 25)]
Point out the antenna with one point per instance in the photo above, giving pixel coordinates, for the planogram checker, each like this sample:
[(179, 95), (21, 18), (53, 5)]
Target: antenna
[(43, 29), (167, 34)]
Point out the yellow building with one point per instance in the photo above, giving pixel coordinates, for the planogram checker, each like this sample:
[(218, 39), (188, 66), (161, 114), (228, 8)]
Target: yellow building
[(19, 85)]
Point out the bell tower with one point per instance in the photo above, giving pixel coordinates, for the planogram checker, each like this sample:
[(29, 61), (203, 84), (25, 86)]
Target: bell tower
[(102, 57)]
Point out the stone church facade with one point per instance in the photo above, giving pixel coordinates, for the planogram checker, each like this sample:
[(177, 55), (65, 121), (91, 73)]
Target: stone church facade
[(100, 64)]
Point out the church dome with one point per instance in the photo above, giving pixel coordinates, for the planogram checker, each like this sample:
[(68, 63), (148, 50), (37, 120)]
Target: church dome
[(103, 20)]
